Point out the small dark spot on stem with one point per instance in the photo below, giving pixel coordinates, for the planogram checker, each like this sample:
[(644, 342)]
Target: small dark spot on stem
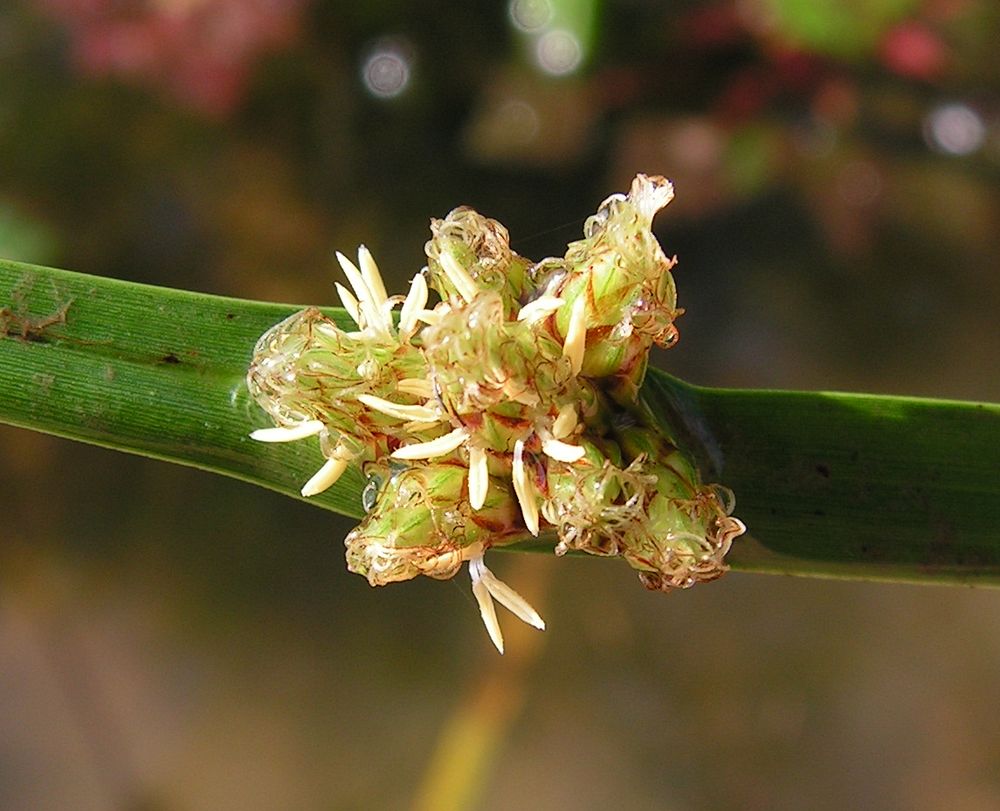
[(170, 358), (230, 316), (823, 471)]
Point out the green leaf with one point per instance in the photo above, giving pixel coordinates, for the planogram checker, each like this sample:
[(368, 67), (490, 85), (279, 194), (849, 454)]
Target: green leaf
[(842, 485), (148, 370), (850, 485)]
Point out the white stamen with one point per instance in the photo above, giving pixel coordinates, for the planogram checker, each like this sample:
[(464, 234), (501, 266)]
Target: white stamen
[(524, 489), (562, 451), (417, 413), (349, 301), (429, 316), (479, 478), (510, 599), (416, 386), (576, 333), (487, 587), (300, 431), (414, 304), (435, 447), (372, 277), (541, 307), (565, 421), (458, 276), (650, 194), (386, 311), (367, 301), (354, 276), (486, 607), (325, 477)]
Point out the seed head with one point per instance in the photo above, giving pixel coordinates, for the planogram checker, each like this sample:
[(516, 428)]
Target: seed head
[(509, 409)]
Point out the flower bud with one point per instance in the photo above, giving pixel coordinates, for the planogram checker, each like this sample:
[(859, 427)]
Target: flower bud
[(421, 523), (480, 248), (624, 277)]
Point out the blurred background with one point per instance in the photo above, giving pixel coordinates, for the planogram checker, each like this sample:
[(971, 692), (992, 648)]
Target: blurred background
[(173, 640)]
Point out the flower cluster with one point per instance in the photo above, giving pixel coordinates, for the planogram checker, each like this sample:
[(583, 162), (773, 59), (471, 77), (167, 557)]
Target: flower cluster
[(511, 408)]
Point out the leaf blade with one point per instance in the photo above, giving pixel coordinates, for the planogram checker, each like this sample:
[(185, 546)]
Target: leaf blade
[(893, 488), (152, 371)]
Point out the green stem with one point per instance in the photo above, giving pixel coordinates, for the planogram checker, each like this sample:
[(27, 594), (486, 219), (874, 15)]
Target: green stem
[(841, 485)]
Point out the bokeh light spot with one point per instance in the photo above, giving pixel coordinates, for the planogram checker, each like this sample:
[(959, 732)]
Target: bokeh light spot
[(530, 15), (386, 70), (558, 52), (954, 129), (913, 49)]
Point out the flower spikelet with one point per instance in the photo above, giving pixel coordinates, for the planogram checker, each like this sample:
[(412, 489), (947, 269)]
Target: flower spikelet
[(623, 274), (479, 360), (600, 509), (420, 524), (308, 368), (480, 246)]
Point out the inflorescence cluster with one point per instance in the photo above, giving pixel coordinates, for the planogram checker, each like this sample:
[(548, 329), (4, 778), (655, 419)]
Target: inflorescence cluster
[(511, 408)]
